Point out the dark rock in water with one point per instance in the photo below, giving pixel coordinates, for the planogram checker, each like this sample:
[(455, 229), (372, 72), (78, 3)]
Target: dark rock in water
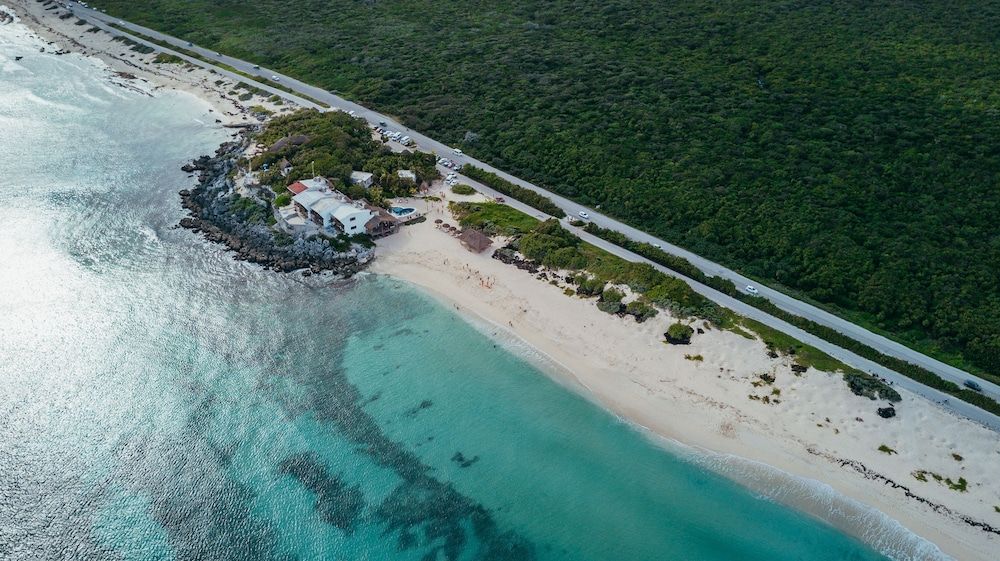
[(423, 405), (772, 354), (887, 412), (337, 503), (460, 459), (798, 368), (18, 57), (701, 331)]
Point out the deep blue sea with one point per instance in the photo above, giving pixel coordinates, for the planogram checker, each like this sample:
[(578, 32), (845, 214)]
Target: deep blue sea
[(159, 400)]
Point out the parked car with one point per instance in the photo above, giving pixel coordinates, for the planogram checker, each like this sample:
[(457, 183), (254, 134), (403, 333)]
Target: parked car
[(457, 151), (973, 385), (584, 215), (751, 289), (275, 78), (256, 67), (657, 246)]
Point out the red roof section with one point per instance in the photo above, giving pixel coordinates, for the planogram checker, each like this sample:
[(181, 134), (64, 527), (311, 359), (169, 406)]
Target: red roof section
[(297, 187)]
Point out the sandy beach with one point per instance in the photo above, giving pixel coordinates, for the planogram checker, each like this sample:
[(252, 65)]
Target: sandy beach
[(812, 426), (136, 71), (815, 428)]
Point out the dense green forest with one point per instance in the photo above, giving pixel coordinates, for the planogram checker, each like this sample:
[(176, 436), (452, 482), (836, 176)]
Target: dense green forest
[(847, 150)]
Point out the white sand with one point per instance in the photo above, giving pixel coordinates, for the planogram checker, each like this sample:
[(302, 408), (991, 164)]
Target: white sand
[(627, 368)]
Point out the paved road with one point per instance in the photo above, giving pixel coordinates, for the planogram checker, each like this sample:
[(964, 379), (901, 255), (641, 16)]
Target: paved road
[(783, 301)]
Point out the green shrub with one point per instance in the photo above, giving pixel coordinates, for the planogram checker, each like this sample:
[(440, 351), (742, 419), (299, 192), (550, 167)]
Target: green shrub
[(590, 286), (283, 199), (961, 485), (640, 310), (868, 386), (463, 189), (167, 58), (679, 334)]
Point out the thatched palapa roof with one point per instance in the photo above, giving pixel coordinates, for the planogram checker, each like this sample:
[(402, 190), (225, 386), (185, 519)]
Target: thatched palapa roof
[(474, 240)]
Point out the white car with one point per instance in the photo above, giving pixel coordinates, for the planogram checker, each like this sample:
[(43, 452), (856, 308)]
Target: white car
[(584, 215), (276, 78), (457, 151), (657, 246), (751, 289)]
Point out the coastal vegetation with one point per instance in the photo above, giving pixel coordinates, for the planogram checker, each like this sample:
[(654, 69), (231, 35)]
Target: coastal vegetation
[(887, 450), (597, 273), (962, 486), (333, 144), (133, 45), (526, 196), (493, 218), (679, 334), (463, 189), (686, 268), (734, 129), (167, 58)]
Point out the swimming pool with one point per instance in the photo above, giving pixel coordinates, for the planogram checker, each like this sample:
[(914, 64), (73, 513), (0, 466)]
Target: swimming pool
[(402, 211)]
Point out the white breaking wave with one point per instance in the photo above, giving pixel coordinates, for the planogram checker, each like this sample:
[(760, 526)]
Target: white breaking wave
[(873, 527)]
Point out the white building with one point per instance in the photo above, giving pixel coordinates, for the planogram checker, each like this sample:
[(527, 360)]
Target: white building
[(305, 201), (332, 210), (351, 218), (362, 178), (329, 209), (407, 174)]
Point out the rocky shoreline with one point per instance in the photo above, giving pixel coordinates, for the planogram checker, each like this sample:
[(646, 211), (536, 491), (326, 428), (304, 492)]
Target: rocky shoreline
[(213, 215)]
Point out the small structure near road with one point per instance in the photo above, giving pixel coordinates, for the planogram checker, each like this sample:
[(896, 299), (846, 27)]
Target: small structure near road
[(362, 178), (406, 174), (474, 240)]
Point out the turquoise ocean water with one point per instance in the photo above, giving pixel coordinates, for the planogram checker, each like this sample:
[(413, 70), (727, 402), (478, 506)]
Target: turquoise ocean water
[(160, 401)]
